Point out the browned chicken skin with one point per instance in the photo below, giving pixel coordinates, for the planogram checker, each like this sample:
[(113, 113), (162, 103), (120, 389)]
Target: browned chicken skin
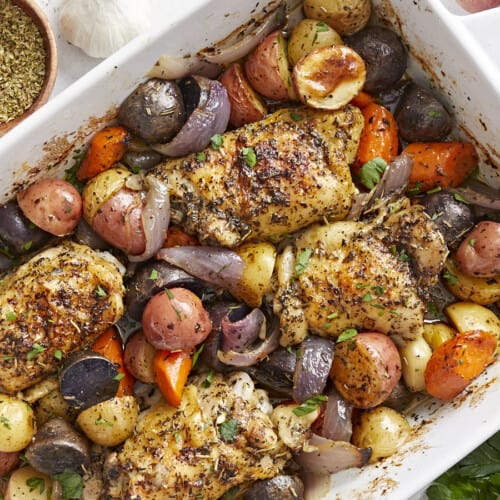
[(301, 175), (60, 300)]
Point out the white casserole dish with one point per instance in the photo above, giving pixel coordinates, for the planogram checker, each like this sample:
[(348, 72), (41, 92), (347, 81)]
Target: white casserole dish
[(457, 52)]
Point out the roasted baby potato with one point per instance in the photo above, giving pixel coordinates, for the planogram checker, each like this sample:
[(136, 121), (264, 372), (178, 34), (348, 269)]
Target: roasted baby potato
[(345, 17), (17, 423), (28, 483), (309, 35), (467, 316), (414, 357)]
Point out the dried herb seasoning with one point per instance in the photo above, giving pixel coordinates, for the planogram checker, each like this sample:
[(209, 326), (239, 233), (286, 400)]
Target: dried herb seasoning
[(22, 61)]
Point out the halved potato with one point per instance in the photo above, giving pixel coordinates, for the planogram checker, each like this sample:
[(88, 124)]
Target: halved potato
[(309, 35), (267, 68), (467, 316), (27, 483), (437, 333), (328, 78), (246, 105)]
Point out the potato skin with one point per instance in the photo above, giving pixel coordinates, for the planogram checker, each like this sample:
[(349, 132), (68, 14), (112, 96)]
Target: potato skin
[(17, 423), (138, 358), (344, 17), (246, 105), (53, 205), (382, 429), (479, 253), (9, 460), (19, 485), (366, 369), (111, 422), (456, 362)]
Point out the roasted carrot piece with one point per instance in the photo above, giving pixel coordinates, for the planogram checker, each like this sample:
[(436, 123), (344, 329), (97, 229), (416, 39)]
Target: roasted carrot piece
[(106, 148), (177, 237), (362, 99), (109, 344), (457, 361), (440, 164), (171, 371), (379, 138)]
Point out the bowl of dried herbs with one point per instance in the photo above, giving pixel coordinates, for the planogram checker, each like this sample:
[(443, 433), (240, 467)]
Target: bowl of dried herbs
[(28, 61)]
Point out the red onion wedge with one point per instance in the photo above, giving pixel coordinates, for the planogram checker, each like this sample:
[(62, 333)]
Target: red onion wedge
[(216, 265), (173, 68), (155, 217), (327, 456), (241, 332), (252, 357), (209, 118), (245, 38)]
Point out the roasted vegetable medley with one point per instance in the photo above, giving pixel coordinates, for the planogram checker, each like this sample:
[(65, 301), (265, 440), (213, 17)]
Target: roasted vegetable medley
[(249, 276)]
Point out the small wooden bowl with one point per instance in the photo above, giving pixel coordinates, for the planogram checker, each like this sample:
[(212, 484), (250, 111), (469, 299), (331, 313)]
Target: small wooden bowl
[(31, 8)]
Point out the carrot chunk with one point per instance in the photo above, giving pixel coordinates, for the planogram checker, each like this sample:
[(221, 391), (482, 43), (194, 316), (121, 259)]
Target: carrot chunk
[(109, 344), (457, 361), (440, 164), (171, 371), (362, 99), (106, 148), (379, 138)]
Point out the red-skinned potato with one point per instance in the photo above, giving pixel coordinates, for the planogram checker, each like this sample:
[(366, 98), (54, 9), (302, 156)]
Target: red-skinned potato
[(8, 461), (457, 361), (268, 70), (119, 221), (138, 357), (53, 205), (246, 105), (329, 77), (478, 255), (175, 319), (366, 368)]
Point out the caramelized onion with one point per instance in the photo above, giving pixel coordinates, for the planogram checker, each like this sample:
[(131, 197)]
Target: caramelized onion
[(335, 420), (155, 217), (244, 39), (253, 356), (328, 457), (216, 265), (239, 334)]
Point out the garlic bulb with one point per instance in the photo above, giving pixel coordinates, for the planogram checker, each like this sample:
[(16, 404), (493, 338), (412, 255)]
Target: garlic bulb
[(100, 27)]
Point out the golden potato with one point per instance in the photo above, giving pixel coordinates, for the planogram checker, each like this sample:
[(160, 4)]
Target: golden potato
[(467, 316), (259, 261), (480, 290), (17, 423), (309, 35), (414, 357), (382, 429), (344, 16), (111, 422), (437, 333), (28, 483)]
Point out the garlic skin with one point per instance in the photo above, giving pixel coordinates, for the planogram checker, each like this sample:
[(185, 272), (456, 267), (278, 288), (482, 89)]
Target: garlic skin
[(101, 27)]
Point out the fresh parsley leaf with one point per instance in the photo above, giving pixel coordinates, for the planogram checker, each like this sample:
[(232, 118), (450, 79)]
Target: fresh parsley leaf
[(153, 275), (102, 421), (169, 293), (460, 198), (119, 377), (367, 297), (302, 261), (72, 484), (296, 117), (450, 278), (231, 494), (35, 351), (196, 355), (434, 190), (228, 429), (403, 256), (472, 242), (321, 27), (26, 246), (58, 354), (201, 156), (36, 482), (371, 172), (347, 334), (208, 380), (70, 174), (100, 292), (5, 422), (433, 113), (333, 315), (217, 141), (11, 316), (309, 405), (250, 156), (416, 189)]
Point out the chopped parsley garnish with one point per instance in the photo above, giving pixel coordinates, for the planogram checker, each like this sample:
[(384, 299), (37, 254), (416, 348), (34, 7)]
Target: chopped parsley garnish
[(153, 275), (416, 189), (302, 261), (296, 117), (450, 278), (58, 354), (5, 422), (433, 113), (367, 297), (217, 141), (434, 190), (201, 156), (35, 351), (228, 429), (460, 198), (403, 256), (371, 172), (27, 246), (11, 316), (196, 355), (36, 482), (72, 484), (378, 289), (119, 377), (208, 380), (333, 315), (70, 174), (309, 405), (250, 156), (321, 27), (170, 295), (100, 292), (231, 494), (347, 334), (472, 242), (102, 421)]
